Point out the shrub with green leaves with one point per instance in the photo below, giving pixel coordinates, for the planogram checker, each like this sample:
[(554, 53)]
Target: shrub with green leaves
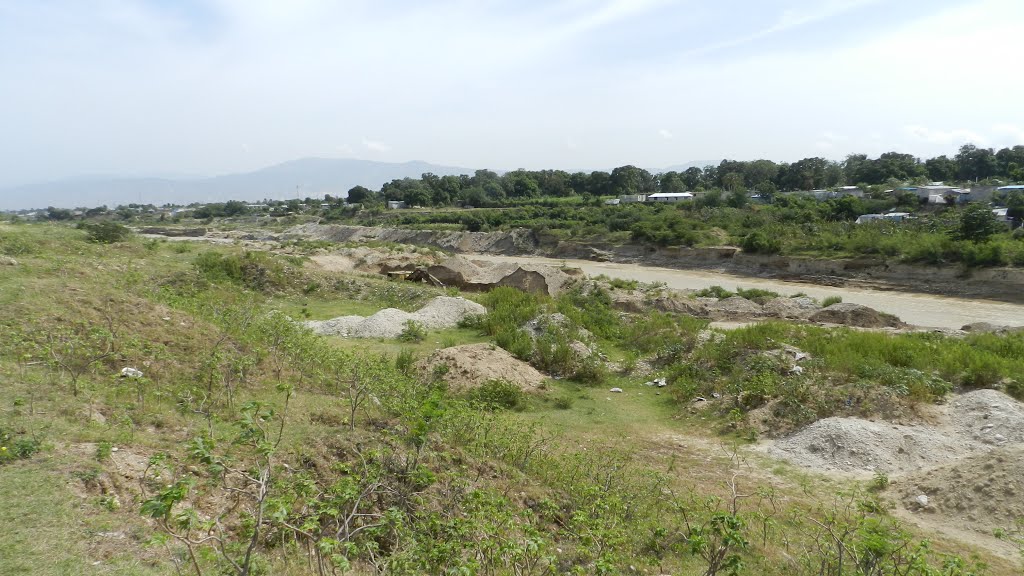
[(413, 332), (498, 395), (16, 446), (830, 300), (105, 232), (714, 292)]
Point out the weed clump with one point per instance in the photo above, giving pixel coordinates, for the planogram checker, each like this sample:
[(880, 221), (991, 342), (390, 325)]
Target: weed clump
[(498, 395), (105, 232)]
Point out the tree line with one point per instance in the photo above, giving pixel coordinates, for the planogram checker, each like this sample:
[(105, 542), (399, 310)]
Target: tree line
[(488, 188)]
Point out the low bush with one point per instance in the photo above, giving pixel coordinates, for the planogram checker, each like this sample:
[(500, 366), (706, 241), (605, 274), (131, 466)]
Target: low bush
[(830, 300), (16, 446), (760, 242), (498, 395), (758, 295), (105, 232), (714, 292), (413, 332)]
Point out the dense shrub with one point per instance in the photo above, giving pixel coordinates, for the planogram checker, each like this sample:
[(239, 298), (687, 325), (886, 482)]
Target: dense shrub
[(105, 232), (498, 395), (760, 242)]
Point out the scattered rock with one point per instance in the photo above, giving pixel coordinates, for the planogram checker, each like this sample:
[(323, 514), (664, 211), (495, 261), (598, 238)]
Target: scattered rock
[(7, 261), (922, 500), (616, 390), (130, 373)]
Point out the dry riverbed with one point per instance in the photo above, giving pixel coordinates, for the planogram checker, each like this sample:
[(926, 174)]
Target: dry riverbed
[(919, 309)]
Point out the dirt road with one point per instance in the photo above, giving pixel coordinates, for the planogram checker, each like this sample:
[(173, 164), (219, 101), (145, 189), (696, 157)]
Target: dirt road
[(920, 309)]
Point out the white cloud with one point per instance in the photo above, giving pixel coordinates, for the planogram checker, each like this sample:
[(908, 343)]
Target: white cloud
[(376, 146), (665, 134), (945, 137), (788, 20)]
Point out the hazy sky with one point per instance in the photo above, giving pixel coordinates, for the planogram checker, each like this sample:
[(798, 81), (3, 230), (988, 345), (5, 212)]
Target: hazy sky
[(208, 87)]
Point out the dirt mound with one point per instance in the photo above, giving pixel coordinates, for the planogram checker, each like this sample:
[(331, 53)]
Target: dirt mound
[(471, 365), (469, 275), (790, 308), (733, 307), (972, 423), (855, 445), (986, 327), (681, 305), (632, 301), (440, 313), (988, 417), (985, 491), (856, 315)]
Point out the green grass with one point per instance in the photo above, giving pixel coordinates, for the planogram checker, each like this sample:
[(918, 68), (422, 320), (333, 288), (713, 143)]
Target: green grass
[(590, 476), (48, 529)]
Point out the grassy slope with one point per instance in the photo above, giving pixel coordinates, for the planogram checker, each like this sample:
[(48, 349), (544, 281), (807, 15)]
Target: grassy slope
[(63, 279)]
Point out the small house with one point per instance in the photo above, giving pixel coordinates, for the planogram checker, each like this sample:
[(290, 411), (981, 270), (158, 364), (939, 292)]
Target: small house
[(890, 216), (630, 198), (670, 197), (396, 205)]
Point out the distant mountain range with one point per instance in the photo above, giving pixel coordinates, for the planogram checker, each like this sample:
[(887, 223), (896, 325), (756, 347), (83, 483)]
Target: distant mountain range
[(306, 177)]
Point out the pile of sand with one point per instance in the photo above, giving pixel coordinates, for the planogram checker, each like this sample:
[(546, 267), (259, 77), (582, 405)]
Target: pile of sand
[(856, 445), (734, 307), (440, 313), (974, 423), (471, 365)]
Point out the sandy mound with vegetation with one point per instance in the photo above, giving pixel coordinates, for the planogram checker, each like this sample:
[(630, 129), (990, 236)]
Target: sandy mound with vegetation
[(856, 315), (973, 423), (440, 313), (472, 365)]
